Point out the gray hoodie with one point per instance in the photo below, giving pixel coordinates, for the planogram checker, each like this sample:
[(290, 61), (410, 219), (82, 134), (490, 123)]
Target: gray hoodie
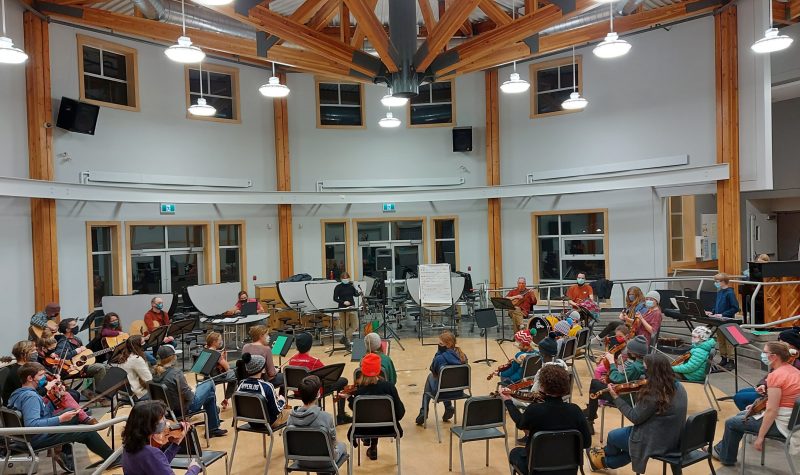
[(314, 416)]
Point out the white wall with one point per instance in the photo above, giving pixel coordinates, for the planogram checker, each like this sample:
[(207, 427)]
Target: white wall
[(786, 156), (13, 115), (16, 280), (785, 65)]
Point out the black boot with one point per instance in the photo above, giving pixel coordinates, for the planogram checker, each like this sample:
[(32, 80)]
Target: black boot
[(341, 416), (372, 451)]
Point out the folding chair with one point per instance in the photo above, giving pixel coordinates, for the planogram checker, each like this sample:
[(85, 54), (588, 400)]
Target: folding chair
[(569, 350), (707, 388), (554, 450), (115, 377), (292, 377), (374, 412), (158, 392), (453, 381), (251, 408), (484, 419), (312, 446), (584, 347), (698, 433), (794, 425), (205, 458), (21, 444)]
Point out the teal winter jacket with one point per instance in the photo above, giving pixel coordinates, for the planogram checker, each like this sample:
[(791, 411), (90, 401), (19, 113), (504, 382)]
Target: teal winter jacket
[(695, 368)]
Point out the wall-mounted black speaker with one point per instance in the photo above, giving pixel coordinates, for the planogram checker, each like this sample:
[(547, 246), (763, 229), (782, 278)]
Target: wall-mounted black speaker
[(77, 116), (462, 139)]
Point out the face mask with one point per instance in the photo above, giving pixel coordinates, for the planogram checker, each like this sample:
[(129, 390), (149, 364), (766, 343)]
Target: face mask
[(243, 300), (442, 348), (114, 324), (162, 424), (695, 340), (581, 281), (159, 306), (765, 358), (42, 382), (521, 286), (746, 273), (620, 338), (631, 298), (649, 303), (33, 356), (345, 281), (717, 285)]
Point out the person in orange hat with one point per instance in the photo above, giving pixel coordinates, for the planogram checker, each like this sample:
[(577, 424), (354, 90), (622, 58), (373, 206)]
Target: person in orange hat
[(523, 339), (370, 383)]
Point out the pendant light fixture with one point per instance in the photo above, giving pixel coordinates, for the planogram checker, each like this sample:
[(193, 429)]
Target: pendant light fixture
[(391, 101), (772, 40), (389, 121), (612, 46), (274, 88), (184, 51), (8, 53), (202, 108), (575, 101), (515, 84)]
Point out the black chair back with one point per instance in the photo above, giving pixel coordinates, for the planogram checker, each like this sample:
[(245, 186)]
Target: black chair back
[(115, 377), (794, 419), (568, 348), (293, 376), (4, 374), (374, 412), (12, 418), (455, 378), (532, 365), (250, 407), (699, 431), (583, 338), (555, 450), (483, 412), (192, 443), (306, 444), (158, 392)]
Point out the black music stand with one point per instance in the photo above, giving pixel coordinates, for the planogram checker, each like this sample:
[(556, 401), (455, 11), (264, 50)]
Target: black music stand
[(205, 362), (486, 318), (156, 337), (504, 305), (281, 343), (736, 337), (177, 329)]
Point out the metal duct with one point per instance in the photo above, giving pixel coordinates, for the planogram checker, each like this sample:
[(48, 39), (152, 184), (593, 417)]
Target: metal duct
[(403, 34), (593, 16), (169, 11)]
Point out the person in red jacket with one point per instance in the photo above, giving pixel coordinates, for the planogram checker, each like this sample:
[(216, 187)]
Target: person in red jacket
[(303, 341)]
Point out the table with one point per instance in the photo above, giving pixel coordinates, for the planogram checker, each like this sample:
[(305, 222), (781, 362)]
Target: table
[(238, 322)]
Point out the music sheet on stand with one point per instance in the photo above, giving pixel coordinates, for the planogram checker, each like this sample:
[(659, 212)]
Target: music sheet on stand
[(434, 284)]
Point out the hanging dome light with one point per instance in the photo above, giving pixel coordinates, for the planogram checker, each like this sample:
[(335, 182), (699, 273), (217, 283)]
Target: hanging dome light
[(575, 102), (391, 101), (514, 85), (389, 122), (611, 47), (184, 51), (274, 88), (202, 108), (771, 42), (213, 3), (9, 54)]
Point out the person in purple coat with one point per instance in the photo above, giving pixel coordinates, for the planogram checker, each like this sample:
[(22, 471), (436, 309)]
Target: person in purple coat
[(139, 457)]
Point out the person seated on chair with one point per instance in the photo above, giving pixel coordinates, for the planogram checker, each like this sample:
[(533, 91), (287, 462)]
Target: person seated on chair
[(620, 338), (574, 320), (344, 294), (648, 323), (157, 317), (69, 345), (38, 412), (561, 332), (747, 396), (140, 457), (725, 306), (448, 354), (658, 419), (47, 356), (204, 395), (373, 344), (523, 299), (311, 415), (47, 318), (523, 341), (241, 299), (631, 370), (250, 370), (260, 346), (303, 342), (694, 369), (579, 291), (783, 387), (132, 359), (214, 342), (110, 325), (634, 303), (370, 384), (552, 414)]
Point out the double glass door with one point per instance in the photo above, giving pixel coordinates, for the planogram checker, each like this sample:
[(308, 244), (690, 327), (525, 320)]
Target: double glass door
[(166, 271), (391, 261)]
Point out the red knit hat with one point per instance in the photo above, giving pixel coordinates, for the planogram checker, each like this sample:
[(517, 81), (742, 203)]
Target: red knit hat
[(523, 337), (371, 365)]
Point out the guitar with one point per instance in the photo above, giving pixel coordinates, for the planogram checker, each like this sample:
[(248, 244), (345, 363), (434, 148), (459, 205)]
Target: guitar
[(138, 327), (85, 358), (52, 325), (111, 341)]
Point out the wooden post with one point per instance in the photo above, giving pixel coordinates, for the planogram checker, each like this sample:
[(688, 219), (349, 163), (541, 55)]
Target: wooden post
[(493, 178), (729, 243), (284, 183), (40, 159)]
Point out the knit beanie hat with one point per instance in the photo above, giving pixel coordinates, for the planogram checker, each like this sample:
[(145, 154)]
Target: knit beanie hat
[(523, 337), (638, 345), (253, 364), (372, 341), (548, 346), (790, 336), (574, 316), (562, 327), (371, 365), (702, 332), (654, 295), (165, 351)]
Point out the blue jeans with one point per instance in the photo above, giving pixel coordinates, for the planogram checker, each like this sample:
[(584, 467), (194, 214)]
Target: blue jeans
[(728, 447), (431, 384), (151, 360), (206, 397), (618, 447), (745, 397)]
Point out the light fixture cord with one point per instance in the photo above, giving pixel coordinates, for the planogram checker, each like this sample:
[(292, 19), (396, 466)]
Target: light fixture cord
[(273, 69), (183, 18), (573, 68), (611, 15), (201, 78), (3, 4)]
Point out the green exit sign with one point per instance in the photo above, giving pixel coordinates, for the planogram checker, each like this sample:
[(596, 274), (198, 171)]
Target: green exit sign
[(388, 208), (167, 208)]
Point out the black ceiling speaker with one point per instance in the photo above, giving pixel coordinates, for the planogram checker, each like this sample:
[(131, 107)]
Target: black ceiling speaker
[(462, 139), (77, 116)]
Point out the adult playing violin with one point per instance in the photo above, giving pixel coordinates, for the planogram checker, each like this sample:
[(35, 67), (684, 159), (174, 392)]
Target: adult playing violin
[(648, 322), (523, 299), (157, 317)]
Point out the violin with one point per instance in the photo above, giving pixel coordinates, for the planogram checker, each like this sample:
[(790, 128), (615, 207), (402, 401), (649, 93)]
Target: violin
[(623, 388), (499, 369), (347, 391), (637, 320), (758, 406), (525, 383), (57, 363), (55, 391), (613, 350), (526, 396), (682, 359), (174, 431)]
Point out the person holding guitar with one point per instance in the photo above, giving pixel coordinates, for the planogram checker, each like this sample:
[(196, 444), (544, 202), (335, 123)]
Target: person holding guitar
[(523, 299), (49, 318), (783, 387), (110, 330), (69, 345)]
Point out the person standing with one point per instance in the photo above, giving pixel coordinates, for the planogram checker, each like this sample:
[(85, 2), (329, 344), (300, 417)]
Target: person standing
[(725, 306), (344, 294), (579, 291), (523, 299)]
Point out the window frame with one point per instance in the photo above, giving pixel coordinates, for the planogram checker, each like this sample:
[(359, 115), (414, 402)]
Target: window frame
[(242, 250), (536, 67), (535, 238), (453, 120), (362, 104), (131, 65), (347, 244), (220, 69), (390, 220), (434, 239), (116, 257)]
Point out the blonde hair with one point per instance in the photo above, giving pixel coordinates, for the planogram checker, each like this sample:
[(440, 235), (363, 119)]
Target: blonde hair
[(762, 258), (212, 337), (43, 342), (449, 341), (257, 332), (366, 380), (779, 349), (722, 277), (164, 364), (21, 349)]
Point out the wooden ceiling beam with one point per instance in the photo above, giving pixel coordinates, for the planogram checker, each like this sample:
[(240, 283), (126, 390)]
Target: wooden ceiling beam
[(494, 11), (344, 23), (448, 24), (794, 10), (306, 11), (357, 41), (427, 14), (325, 15), (373, 29)]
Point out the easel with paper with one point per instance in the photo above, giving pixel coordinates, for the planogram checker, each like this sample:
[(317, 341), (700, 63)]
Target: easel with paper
[(435, 293)]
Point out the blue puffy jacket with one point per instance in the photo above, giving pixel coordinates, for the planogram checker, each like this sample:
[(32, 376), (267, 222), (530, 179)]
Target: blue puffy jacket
[(448, 357)]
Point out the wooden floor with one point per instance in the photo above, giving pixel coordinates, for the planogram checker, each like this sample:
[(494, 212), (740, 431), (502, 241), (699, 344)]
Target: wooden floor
[(421, 454)]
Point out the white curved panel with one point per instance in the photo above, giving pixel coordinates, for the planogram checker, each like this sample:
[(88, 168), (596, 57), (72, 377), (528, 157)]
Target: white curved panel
[(293, 291), (320, 294), (214, 299), (132, 307)]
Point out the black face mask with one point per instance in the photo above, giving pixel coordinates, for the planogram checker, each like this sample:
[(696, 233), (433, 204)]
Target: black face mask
[(442, 348)]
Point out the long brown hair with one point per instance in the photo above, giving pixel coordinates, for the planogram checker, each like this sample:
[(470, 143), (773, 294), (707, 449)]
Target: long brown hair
[(638, 297), (132, 346), (449, 341), (660, 381)]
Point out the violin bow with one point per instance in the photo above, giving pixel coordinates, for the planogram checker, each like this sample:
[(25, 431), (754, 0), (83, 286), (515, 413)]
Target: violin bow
[(183, 414)]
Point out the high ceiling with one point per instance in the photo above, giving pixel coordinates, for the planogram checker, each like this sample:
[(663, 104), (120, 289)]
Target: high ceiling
[(398, 42)]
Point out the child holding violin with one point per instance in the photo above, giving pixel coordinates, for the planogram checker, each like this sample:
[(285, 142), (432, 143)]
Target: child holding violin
[(694, 368), (511, 372), (145, 428), (223, 367), (614, 346)]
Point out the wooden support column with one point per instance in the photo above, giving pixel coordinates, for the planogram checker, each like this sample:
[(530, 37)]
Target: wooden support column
[(493, 179), (283, 183), (40, 159), (729, 243)]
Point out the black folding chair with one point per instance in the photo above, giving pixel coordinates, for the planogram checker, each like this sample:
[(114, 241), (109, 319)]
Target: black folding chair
[(308, 449), (793, 426), (205, 458), (531, 366), (554, 450), (158, 392), (453, 382), (251, 408), (698, 434), (376, 414), (569, 350), (585, 347), (21, 444), (115, 378), (484, 419), (707, 388), (292, 377)]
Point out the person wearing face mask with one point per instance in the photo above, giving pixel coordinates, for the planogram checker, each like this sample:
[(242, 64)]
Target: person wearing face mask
[(694, 369), (649, 322), (783, 387), (241, 299), (214, 342), (69, 345), (522, 340), (344, 294), (634, 303), (39, 412), (579, 291), (132, 360), (523, 299), (156, 316), (111, 329), (145, 420), (447, 354), (725, 306), (746, 396)]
